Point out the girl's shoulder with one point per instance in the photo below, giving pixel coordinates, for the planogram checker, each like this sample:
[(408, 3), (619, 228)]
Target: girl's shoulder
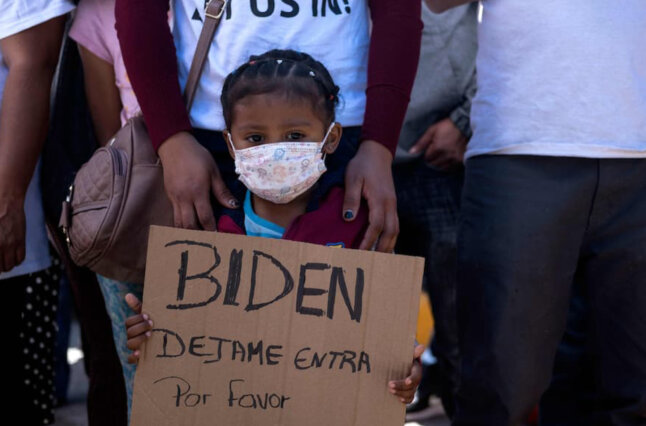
[(326, 226)]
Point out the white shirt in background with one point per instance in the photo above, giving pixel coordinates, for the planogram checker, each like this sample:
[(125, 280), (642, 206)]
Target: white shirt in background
[(561, 78)]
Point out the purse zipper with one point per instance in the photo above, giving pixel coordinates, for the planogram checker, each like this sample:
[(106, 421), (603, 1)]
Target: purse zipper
[(118, 161)]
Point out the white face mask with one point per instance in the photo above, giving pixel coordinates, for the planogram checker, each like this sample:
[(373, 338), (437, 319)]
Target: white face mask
[(280, 172)]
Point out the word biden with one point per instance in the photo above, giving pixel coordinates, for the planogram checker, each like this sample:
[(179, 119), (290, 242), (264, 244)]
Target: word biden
[(260, 264)]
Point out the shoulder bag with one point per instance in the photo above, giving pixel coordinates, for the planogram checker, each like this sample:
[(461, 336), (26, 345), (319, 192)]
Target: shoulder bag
[(119, 192)]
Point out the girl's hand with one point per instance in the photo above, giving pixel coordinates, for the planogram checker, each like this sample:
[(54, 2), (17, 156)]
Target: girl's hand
[(405, 389), (138, 328)]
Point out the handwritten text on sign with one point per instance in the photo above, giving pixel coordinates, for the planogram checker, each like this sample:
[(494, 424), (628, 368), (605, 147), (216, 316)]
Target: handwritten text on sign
[(260, 331)]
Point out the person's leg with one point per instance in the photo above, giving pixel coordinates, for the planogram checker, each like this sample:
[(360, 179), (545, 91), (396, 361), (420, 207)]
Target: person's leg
[(106, 403), (428, 206), (106, 398), (568, 400), (114, 294), (64, 322), (615, 272), (38, 334), (523, 221), (14, 394)]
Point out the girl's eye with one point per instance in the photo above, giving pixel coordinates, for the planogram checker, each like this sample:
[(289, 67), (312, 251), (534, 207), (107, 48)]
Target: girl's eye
[(295, 136), (254, 138)]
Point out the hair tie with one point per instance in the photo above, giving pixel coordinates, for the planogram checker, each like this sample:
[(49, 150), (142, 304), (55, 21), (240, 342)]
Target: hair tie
[(252, 62)]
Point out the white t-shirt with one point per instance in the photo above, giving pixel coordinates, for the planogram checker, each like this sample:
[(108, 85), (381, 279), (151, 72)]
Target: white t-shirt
[(16, 16), (333, 32), (561, 78)]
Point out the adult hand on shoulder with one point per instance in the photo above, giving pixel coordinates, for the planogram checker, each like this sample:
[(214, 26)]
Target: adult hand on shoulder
[(12, 232), (369, 175), (443, 145), (190, 176)]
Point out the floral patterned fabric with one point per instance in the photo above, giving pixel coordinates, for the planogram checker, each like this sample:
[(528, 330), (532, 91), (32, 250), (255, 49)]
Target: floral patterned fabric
[(280, 172)]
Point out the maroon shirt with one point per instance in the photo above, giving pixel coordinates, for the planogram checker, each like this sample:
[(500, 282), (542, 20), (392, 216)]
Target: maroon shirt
[(323, 226), (150, 59)]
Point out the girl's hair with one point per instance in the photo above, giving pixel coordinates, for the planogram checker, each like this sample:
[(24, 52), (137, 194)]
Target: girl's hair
[(288, 72)]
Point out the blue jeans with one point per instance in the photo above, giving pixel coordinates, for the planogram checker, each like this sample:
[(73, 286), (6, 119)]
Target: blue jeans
[(114, 293)]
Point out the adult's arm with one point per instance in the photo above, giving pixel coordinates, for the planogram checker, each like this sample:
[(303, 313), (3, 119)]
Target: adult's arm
[(31, 56), (392, 64), (151, 61), (461, 115), (439, 6), (444, 143), (102, 95), (190, 173)]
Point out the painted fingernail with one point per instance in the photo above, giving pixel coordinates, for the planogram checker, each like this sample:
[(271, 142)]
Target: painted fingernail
[(409, 381), (145, 317), (233, 203), (136, 353), (349, 214), (148, 334), (150, 323), (402, 400)]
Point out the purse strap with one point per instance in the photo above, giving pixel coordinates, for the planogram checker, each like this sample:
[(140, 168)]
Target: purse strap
[(214, 10)]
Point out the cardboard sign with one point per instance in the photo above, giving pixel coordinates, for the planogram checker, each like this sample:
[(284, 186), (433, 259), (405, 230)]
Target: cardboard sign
[(257, 331)]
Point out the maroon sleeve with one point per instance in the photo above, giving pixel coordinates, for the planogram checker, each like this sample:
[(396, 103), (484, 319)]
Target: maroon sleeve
[(151, 62), (392, 65)]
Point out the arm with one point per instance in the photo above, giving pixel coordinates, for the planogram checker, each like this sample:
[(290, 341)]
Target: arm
[(392, 64), (461, 115), (444, 143), (102, 95), (149, 54), (31, 58), (439, 6), (190, 174)]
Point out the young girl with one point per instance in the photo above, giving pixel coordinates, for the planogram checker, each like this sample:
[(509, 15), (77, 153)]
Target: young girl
[(279, 109)]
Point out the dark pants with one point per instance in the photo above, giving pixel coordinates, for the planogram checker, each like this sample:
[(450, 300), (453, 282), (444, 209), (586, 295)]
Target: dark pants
[(528, 225), (428, 204), (106, 397), (14, 394), (570, 399)]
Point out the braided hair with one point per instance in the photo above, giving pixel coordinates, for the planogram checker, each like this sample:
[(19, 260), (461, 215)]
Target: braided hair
[(286, 71)]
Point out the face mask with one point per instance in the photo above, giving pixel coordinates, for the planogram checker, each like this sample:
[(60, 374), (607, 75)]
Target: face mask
[(280, 172)]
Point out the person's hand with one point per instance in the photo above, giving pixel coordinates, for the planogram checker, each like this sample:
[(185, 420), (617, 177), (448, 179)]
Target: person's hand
[(369, 175), (190, 176), (405, 389), (12, 232), (138, 328), (443, 145)]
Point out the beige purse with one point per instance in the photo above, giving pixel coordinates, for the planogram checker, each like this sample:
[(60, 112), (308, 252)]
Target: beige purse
[(119, 192)]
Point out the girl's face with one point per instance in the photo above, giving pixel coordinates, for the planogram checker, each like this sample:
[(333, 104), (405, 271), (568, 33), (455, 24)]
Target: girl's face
[(271, 118)]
